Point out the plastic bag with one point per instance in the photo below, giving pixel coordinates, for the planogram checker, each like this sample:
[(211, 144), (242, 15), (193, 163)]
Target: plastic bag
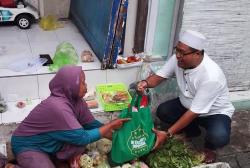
[(27, 64), (65, 55), (49, 23), (135, 138)]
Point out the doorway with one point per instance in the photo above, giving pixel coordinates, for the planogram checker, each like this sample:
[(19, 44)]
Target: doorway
[(102, 23)]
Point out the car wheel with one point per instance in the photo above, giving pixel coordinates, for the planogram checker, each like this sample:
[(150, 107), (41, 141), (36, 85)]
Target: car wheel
[(24, 21)]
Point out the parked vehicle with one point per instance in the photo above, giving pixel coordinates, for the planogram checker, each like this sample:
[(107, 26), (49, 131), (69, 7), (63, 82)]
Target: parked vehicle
[(19, 12)]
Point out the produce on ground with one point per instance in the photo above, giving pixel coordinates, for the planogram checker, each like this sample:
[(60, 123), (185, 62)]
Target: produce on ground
[(104, 145), (86, 161), (174, 153)]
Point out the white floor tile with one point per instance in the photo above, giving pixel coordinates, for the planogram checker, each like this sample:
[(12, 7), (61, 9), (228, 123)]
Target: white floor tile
[(19, 88), (13, 51), (80, 45), (68, 32), (16, 44), (12, 34), (48, 47), (67, 25), (16, 115), (43, 81), (92, 66), (37, 34), (6, 73)]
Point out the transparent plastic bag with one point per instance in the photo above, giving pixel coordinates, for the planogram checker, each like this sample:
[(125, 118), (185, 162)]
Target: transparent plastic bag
[(27, 64), (65, 55)]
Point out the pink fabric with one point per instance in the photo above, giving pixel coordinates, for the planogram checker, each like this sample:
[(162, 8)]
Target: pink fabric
[(69, 151), (33, 159)]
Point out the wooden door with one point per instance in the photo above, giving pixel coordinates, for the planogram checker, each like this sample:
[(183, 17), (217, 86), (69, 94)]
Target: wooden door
[(97, 20)]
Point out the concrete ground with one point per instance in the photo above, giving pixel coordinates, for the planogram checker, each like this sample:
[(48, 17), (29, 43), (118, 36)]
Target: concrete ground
[(237, 153)]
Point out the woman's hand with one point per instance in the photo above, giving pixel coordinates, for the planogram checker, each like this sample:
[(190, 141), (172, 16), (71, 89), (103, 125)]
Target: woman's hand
[(118, 123), (108, 129), (108, 135), (161, 137)]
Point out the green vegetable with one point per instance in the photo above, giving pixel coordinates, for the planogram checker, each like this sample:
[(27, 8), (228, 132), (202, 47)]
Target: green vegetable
[(174, 154)]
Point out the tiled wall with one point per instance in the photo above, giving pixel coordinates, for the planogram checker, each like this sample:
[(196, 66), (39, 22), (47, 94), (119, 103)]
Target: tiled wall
[(226, 26), (36, 88), (93, 78), (34, 3), (19, 88)]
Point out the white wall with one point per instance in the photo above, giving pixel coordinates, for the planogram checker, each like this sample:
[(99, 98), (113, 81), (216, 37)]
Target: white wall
[(130, 27), (34, 3), (59, 8), (37, 86), (34, 88), (226, 25)]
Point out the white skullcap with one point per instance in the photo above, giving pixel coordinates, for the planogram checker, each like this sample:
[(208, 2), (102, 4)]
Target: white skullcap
[(193, 39)]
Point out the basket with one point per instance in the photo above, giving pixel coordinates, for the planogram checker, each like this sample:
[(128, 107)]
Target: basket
[(112, 87)]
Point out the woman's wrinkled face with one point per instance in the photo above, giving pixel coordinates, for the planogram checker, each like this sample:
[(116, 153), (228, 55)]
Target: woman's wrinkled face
[(83, 86)]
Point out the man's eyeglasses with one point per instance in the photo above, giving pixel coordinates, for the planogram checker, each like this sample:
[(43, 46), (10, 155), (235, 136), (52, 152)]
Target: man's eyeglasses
[(180, 53)]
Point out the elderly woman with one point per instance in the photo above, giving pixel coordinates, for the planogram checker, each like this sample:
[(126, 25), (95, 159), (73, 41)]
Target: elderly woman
[(60, 126)]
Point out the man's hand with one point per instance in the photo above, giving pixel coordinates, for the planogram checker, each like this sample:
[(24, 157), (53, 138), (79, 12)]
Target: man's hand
[(141, 86), (161, 137), (151, 82)]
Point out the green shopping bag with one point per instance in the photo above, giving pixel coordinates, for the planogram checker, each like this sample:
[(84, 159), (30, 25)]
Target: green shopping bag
[(136, 137)]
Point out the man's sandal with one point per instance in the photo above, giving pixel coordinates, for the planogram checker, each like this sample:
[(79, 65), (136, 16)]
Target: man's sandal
[(209, 156)]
